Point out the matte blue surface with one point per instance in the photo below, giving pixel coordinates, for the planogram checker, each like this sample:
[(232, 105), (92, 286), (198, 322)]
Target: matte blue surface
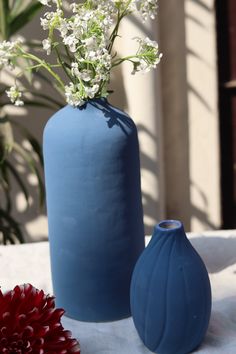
[(94, 206), (170, 293)]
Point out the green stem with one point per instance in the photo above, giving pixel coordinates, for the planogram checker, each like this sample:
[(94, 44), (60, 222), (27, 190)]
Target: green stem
[(128, 58), (115, 31), (63, 64), (38, 66), (68, 53), (46, 97), (4, 10), (44, 65), (119, 61), (59, 4)]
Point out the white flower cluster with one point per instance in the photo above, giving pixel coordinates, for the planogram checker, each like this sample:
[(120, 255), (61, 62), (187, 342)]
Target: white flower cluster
[(15, 96), (86, 35), (8, 51), (77, 94), (47, 2), (83, 43), (147, 8), (147, 56)]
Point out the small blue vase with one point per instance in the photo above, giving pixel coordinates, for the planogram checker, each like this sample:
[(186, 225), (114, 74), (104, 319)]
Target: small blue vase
[(94, 206), (170, 292)]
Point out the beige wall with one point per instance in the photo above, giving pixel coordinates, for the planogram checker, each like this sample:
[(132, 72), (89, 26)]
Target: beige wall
[(144, 105), (190, 112), (175, 109)]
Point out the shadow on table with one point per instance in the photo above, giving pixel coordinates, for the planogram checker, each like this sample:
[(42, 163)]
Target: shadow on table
[(220, 336), (217, 253)]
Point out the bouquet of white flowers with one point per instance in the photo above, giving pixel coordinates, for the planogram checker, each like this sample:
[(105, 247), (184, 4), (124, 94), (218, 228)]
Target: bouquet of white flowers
[(83, 43)]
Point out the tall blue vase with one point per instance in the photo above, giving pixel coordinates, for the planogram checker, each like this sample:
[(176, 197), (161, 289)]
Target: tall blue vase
[(170, 292), (94, 207)]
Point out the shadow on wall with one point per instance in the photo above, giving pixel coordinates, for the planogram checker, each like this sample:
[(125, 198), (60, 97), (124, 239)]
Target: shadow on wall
[(187, 107), (150, 165), (143, 92), (119, 99), (202, 100), (175, 111)]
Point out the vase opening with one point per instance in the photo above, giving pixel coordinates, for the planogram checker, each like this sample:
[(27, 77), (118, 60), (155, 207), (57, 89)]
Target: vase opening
[(169, 224)]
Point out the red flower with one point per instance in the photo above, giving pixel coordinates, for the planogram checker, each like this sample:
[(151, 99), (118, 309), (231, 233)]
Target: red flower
[(29, 323)]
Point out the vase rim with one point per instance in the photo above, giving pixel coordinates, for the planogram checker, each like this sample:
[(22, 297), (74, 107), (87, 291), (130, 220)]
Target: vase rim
[(169, 225), (102, 98)]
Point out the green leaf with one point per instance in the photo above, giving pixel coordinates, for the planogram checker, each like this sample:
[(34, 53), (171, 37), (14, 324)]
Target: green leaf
[(23, 63), (19, 180), (8, 206), (37, 148), (34, 43), (4, 16), (8, 236), (5, 184), (31, 139), (49, 82), (33, 168), (3, 89), (24, 17), (48, 98), (40, 75), (18, 6), (35, 103), (14, 226)]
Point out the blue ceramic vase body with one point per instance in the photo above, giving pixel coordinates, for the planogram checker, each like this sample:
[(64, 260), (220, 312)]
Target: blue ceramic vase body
[(170, 292), (95, 216)]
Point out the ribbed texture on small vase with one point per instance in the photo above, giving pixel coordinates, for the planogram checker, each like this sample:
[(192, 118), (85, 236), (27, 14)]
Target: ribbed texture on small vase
[(170, 294)]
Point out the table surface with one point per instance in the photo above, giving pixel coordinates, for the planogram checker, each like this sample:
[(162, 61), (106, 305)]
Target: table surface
[(30, 263)]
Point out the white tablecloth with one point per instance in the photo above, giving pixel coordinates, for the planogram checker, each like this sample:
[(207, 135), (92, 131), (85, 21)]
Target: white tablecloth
[(29, 263)]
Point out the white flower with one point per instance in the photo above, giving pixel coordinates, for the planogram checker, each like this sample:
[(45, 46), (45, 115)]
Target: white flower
[(8, 50), (15, 96), (74, 7), (45, 22), (75, 69), (71, 41), (101, 56), (84, 74), (63, 28), (91, 91), (147, 56), (147, 42), (141, 66), (89, 34), (45, 2), (147, 8), (122, 5), (52, 19), (90, 43), (73, 95), (47, 45)]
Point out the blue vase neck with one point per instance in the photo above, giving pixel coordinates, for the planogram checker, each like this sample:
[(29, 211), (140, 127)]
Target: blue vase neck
[(101, 100), (169, 228)]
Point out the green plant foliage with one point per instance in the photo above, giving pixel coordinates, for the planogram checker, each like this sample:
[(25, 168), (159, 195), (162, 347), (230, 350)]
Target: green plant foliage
[(14, 15), (9, 228)]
